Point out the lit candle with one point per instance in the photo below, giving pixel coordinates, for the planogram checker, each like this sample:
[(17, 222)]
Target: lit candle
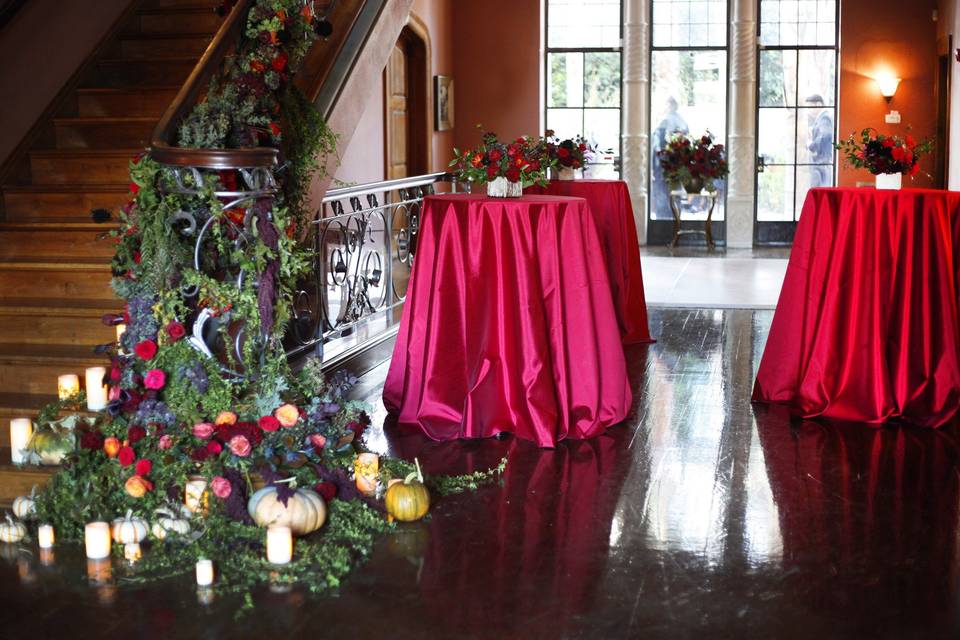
[(96, 390), (68, 385), (20, 431), (97, 540), (195, 493), (45, 536), (279, 544), (121, 329), (131, 551), (204, 572)]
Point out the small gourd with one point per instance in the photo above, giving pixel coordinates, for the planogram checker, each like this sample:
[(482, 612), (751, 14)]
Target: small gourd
[(304, 513), (129, 529), (409, 500), (24, 506), (169, 523), (12, 530)]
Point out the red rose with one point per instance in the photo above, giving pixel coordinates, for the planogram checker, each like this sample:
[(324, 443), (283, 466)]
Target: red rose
[(145, 349), (327, 490), (513, 175), (214, 447), (175, 330), (115, 374), (155, 379), (137, 257), (257, 66), (135, 434), (143, 467), (134, 188), (126, 456), (494, 155), (280, 62), (492, 171), (275, 129), (91, 440), (269, 424), (563, 152)]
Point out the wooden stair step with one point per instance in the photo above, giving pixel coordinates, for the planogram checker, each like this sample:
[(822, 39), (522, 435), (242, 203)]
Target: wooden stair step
[(103, 132), (118, 72), (53, 239), (162, 46), (60, 321), (166, 4), (112, 101), (74, 201), (178, 20), (81, 166), (18, 481), (41, 278), (33, 368)]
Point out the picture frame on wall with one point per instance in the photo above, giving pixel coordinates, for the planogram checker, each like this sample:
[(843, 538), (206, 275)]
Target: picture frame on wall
[(443, 102)]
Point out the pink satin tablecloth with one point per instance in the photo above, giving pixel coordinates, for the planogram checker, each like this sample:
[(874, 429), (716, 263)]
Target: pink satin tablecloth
[(509, 324), (867, 325), (610, 202)]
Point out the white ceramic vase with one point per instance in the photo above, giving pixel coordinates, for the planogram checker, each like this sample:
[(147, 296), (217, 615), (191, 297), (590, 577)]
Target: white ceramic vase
[(889, 181), (503, 188)]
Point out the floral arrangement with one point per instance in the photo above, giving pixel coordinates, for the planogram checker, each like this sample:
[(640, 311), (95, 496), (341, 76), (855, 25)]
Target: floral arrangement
[(181, 405), (883, 154), (570, 153), (525, 160), (694, 163)]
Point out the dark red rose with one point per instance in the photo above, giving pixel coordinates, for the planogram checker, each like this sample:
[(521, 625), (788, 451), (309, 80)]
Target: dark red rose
[(214, 447), (275, 129), (513, 175), (143, 467), (357, 428), (115, 374), (126, 456), (92, 440), (327, 490), (175, 330), (494, 155), (280, 62), (135, 434), (492, 171), (145, 349), (563, 152), (200, 454), (134, 188), (269, 424)]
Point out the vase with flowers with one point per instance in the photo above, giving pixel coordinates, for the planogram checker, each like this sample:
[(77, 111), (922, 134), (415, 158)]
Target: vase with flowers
[(888, 158), (568, 156), (696, 164), (505, 167)]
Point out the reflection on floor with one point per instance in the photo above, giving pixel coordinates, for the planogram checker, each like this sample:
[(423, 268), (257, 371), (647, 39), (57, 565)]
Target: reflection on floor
[(701, 517), (703, 282)]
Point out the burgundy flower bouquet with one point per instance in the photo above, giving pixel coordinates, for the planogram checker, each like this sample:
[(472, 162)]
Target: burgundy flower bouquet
[(523, 161), (570, 153), (882, 154), (694, 163)]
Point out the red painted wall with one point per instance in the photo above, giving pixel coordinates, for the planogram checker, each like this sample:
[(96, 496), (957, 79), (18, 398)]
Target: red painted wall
[(892, 35), (41, 47)]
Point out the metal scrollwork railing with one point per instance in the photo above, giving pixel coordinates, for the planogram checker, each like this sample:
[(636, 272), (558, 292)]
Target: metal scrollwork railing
[(365, 240)]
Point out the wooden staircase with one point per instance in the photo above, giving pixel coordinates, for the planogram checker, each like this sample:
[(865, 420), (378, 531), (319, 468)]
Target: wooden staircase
[(54, 272)]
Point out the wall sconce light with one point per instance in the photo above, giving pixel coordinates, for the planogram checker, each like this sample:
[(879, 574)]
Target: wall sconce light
[(888, 86)]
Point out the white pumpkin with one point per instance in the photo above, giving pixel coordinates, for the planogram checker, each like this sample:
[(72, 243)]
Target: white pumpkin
[(168, 523), (305, 511), (24, 506), (12, 530), (129, 529)]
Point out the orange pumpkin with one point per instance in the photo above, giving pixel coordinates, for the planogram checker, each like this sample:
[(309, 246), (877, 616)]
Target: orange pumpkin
[(409, 500)]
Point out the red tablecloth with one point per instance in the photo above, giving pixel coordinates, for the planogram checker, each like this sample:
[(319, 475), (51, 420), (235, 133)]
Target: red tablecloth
[(867, 326), (610, 202), (508, 324)]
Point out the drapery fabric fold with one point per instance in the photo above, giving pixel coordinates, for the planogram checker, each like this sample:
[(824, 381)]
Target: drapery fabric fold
[(609, 201), (508, 324), (866, 327)]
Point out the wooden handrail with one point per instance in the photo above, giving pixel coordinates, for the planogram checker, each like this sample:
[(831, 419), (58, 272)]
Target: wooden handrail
[(163, 148)]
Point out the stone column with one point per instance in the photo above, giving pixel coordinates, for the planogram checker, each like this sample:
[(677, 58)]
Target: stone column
[(635, 128), (742, 141)]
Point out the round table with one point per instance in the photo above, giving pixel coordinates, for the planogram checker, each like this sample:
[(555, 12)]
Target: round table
[(610, 202), (508, 324), (867, 325)]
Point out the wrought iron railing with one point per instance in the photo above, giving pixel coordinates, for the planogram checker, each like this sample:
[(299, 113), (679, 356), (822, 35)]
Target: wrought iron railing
[(364, 240)]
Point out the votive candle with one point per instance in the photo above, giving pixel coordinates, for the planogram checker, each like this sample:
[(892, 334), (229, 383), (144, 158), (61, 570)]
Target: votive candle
[(279, 544), (96, 390), (196, 487), (45, 536), (131, 551), (121, 329), (20, 431), (204, 572), (96, 537), (67, 385)]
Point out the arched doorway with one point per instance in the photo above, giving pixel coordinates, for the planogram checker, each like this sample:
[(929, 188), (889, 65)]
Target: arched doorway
[(407, 112)]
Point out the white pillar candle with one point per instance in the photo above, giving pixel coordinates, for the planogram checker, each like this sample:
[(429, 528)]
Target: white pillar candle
[(20, 431), (96, 390), (279, 544), (121, 329), (97, 540), (194, 494), (67, 385), (204, 572), (45, 536), (131, 551)]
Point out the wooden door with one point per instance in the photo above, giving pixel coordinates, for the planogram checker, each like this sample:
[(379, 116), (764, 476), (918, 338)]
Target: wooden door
[(397, 89)]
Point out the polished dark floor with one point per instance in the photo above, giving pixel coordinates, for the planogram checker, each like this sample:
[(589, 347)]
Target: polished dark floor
[(702, 517)]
